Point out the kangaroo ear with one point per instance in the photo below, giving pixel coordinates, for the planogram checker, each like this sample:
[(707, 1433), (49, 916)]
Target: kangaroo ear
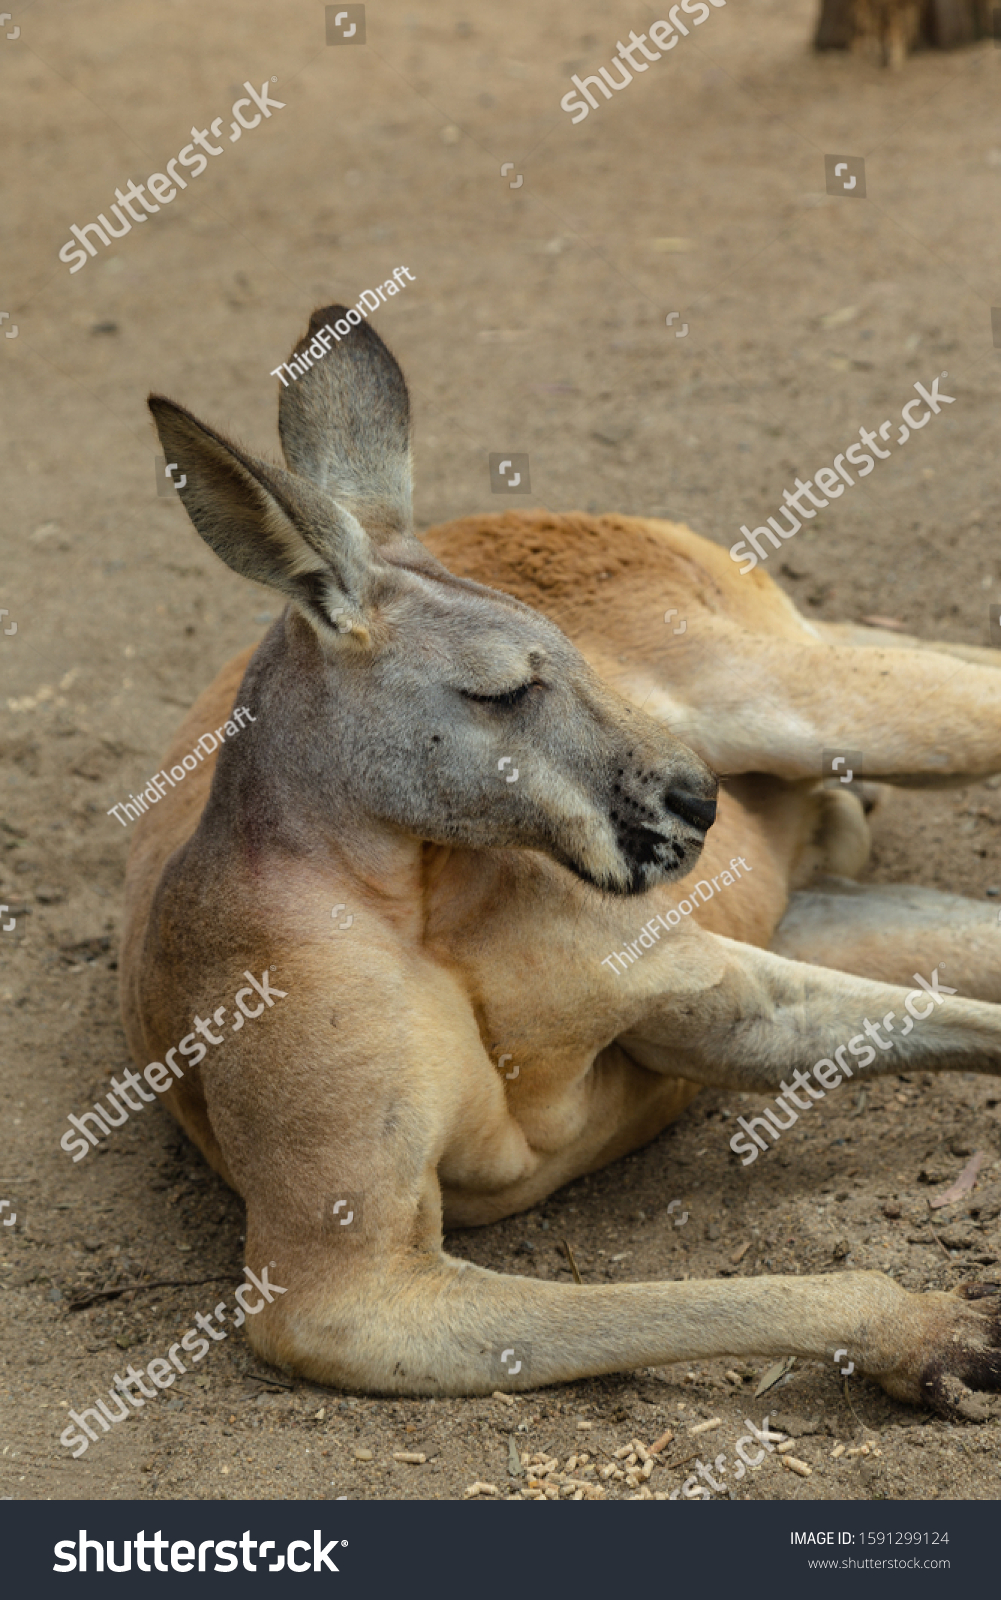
[(267, 524), (344, 423)]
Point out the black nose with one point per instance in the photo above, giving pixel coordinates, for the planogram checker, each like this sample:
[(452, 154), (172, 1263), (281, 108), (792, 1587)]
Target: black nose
[(700, 813)]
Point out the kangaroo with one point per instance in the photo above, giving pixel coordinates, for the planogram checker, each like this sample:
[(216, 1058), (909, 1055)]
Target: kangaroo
[(473, 767), (891, 27)]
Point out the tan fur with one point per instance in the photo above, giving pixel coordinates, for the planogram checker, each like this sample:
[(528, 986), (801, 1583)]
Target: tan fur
[(382, 1072), (889, 28)]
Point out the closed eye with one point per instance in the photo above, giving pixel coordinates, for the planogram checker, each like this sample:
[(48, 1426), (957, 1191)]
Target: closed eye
[(509, 698)]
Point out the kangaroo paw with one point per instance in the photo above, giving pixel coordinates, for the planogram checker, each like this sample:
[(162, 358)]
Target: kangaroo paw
[(960, 1354)]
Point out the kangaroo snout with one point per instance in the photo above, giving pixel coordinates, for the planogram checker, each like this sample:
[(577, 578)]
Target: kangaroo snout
[(661, 810), (693, 808)]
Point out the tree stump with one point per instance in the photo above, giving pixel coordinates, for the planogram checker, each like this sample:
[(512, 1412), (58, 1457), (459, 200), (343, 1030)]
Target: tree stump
[(893, 28)]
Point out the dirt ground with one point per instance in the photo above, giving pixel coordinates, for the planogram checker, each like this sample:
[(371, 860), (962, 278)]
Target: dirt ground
[(536, 322)]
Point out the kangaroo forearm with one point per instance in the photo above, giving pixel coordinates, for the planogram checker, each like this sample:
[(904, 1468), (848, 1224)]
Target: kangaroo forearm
[(767, 1016)]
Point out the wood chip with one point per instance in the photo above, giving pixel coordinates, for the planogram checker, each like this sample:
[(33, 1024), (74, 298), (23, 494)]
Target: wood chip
[(416, 1458), (797, 1466), (705, 1427), (508, 1399), (734, 1377), (893, 623), (739, 1255), (362, 1455), (963, 1184), (480, 1488), (627, 1450), (784, 1449), (659, 1444), (641, 1451), (838, 1451)]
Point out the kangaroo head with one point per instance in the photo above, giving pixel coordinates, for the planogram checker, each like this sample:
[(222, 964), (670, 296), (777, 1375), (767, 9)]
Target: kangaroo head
[(426, 702)]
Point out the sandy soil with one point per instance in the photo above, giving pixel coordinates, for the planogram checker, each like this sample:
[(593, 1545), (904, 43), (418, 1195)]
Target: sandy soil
[(537, 323)]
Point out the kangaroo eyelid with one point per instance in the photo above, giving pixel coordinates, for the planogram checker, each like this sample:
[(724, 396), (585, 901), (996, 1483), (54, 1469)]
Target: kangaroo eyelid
[(510, 697)]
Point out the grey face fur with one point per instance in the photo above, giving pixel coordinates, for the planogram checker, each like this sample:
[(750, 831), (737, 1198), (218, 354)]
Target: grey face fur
[(422, 694)]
